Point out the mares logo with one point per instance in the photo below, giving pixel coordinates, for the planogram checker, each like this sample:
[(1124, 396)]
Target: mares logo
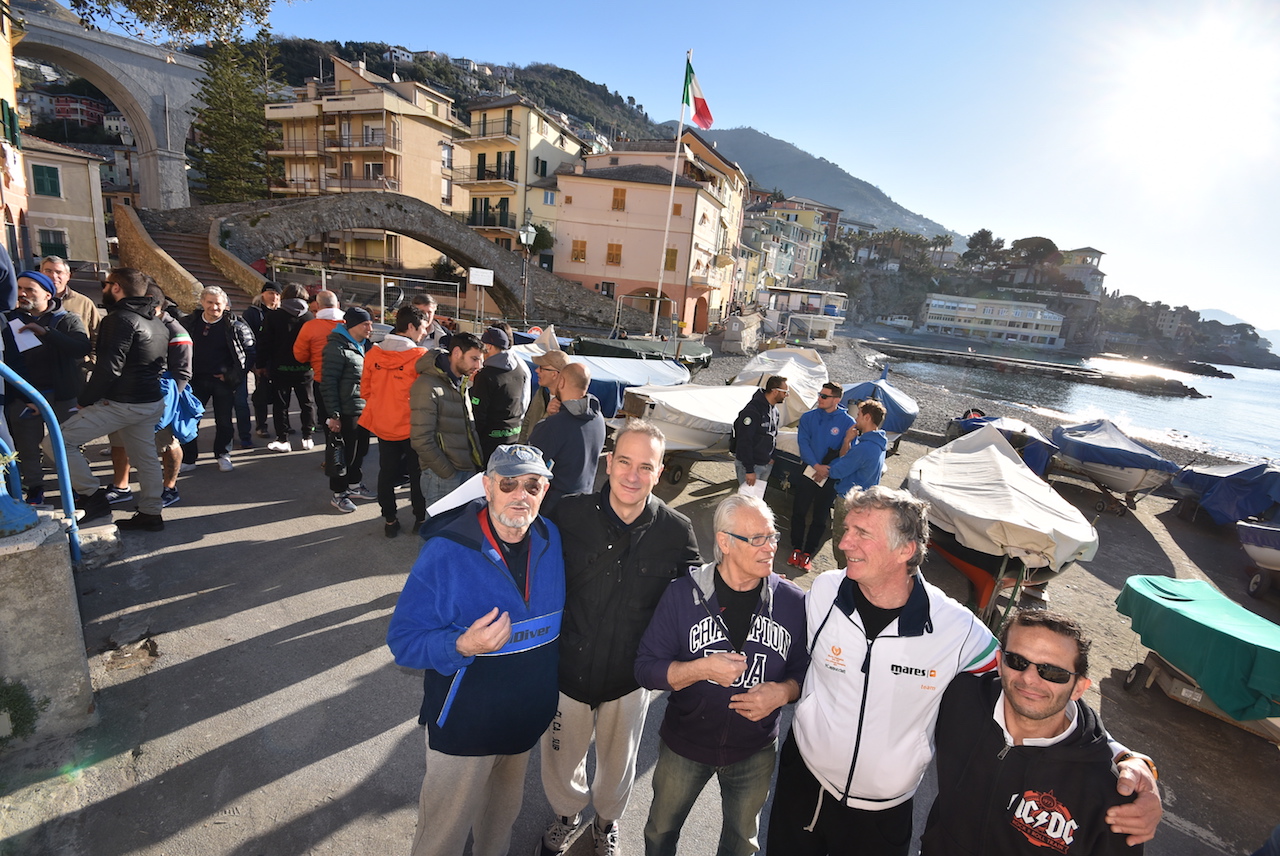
[(914, 672), (1044, 821)]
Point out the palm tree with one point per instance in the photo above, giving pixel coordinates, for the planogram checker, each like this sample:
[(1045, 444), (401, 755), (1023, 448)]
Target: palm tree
[(940, 243)]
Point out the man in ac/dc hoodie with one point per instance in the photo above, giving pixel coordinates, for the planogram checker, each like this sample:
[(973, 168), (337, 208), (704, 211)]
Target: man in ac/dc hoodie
[(729, 641), (1025, 766)]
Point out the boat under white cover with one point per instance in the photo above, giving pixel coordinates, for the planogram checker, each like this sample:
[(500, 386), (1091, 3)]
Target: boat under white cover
[(981, 491), (693, 416), (1262, 542)]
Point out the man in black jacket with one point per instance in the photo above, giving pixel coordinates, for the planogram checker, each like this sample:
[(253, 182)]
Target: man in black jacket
[(1024, 765), (51, 365), (122, 395), (755, 432), (222, 350), (622, 546), (497, 396)]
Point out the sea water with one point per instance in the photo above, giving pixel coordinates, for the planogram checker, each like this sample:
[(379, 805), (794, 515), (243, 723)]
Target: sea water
[(1239, 420)]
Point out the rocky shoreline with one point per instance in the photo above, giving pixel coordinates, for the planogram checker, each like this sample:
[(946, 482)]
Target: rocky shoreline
[(855, 360)]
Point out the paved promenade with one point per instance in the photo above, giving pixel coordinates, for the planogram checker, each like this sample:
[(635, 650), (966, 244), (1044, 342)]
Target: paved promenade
[(272, 720)]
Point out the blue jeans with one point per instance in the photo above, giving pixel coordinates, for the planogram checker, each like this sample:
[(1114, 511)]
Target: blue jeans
[(677, 782), (762, 471), (1272, 845), (435, 488)]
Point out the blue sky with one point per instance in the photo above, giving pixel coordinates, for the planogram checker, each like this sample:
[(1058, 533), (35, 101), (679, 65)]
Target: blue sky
[(1149, 130)]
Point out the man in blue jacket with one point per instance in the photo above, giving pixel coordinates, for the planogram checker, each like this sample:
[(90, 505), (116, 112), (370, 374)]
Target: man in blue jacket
[(572, 435), (480, 613), (728, 641), (860, 465), (821, 437)]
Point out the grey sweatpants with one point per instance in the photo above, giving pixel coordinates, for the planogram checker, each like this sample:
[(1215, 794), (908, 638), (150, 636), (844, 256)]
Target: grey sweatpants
[(615, 726)]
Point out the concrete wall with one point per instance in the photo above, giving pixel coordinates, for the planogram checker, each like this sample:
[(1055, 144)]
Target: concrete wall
[(41, 639)]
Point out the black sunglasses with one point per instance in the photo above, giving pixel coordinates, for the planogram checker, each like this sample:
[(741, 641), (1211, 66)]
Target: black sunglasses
[(533, 486), (1052, 674), (825, 395)]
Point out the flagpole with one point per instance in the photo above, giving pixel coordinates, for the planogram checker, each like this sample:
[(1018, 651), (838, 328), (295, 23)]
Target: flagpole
[(671, 200)]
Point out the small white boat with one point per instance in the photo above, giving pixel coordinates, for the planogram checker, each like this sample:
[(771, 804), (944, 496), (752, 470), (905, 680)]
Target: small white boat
[(1261, 541), (694, 417), (1115, 462)]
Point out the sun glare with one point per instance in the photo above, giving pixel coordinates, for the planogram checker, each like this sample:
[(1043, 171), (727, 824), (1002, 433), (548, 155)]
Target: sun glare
[(1195, 100)]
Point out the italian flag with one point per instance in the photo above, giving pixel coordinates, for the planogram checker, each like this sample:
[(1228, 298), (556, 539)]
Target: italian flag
[(693, 98)]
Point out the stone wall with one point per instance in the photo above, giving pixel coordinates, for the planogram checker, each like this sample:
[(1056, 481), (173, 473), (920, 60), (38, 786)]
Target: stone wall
[(137, 250)]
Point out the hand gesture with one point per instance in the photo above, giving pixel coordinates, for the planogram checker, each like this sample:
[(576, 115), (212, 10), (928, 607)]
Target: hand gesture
[(759, 701), (486, 634), (724, 668)]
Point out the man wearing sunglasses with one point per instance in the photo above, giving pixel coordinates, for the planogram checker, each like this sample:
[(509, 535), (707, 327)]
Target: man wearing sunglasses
[(884, 646), (822, 433), (1024, 765), (480, 613)]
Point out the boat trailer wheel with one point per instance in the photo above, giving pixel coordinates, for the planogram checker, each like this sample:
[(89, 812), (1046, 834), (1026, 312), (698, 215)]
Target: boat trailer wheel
[(676, 472), (1134, 678), (1259, 582)]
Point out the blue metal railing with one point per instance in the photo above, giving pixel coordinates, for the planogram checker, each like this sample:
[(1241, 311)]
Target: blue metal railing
[(12, 379)]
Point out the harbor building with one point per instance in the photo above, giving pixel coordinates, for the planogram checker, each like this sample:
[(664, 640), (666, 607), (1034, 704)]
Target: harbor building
[(992, 320)]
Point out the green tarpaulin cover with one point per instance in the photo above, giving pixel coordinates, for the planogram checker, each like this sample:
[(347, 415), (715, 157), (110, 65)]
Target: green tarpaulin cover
[(1231, 653)]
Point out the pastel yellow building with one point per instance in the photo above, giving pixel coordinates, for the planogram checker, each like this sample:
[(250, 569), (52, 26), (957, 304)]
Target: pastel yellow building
[(13, 183), (512, 155), (363, 132), (65, 201)]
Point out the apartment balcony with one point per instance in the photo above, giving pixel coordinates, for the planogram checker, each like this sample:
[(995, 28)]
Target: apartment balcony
[(311, 147), (342, 185), (374, 139), (504, 176), (488, 220), (490, 129)]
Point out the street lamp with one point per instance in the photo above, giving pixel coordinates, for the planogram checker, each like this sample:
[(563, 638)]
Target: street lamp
[(527, 234)]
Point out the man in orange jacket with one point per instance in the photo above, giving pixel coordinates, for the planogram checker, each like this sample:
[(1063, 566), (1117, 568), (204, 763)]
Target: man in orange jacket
[(389, 372)]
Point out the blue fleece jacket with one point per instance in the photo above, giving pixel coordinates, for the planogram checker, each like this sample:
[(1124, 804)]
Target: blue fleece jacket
[(821, 433), (862, 465), (497, 704)]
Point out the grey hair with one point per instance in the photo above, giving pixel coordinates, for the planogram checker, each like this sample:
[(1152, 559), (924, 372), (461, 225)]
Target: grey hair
[(910, 518), (727, 513), (215, 291), (424, 299), (57, 260), (645, 427)]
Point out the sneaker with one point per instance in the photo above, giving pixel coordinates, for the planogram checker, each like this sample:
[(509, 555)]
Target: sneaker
[(556, 838), (93, 506), (35, 496), (806, 562), (246, 443), (418, 523), (308, 444), (342, 503), (606, 839), (391, 528), (119, 494), (263, 433), (169, 496), (104, 453), (359, 491), (186, 468), (795, 558), (280, 446), (143, 522), (224, 463)]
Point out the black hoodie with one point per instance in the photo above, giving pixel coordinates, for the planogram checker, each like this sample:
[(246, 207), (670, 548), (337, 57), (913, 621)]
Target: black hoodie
[(275, 346), (994, 798)]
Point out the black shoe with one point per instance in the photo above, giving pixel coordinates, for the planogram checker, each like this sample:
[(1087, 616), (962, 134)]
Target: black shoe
[(94, 506), (391, 528), (145, 522), (419, 522)]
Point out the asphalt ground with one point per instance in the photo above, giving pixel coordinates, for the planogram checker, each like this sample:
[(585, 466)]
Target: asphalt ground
[(272, 720)]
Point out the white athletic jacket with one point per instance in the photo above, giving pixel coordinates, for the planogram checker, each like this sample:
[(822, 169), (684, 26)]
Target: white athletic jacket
[(864, 723)]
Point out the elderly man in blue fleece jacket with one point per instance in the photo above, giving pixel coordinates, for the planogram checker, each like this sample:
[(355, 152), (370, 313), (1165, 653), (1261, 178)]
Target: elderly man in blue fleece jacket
[(480, 613), (728, 640)]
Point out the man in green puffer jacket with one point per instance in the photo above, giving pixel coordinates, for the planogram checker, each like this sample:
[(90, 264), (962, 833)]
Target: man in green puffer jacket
[(343, 363), (441, 428)]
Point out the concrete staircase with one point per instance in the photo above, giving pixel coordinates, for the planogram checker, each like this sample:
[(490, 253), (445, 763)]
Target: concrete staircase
[(192, 252)]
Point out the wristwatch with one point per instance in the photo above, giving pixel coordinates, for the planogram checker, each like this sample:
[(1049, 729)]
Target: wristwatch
[(1127, 756)]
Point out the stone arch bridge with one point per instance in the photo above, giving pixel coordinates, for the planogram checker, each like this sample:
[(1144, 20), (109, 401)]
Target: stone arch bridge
[(246, 233)]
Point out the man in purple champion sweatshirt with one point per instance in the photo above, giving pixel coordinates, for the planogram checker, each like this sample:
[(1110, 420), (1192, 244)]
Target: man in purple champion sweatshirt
[(729, 641)]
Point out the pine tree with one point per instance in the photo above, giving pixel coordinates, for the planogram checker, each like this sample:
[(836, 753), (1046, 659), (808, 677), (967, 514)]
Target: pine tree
[(231, 131)]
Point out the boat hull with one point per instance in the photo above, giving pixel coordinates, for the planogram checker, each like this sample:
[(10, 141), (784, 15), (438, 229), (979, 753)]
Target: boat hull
[(1118, 479), (1261, 542)]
